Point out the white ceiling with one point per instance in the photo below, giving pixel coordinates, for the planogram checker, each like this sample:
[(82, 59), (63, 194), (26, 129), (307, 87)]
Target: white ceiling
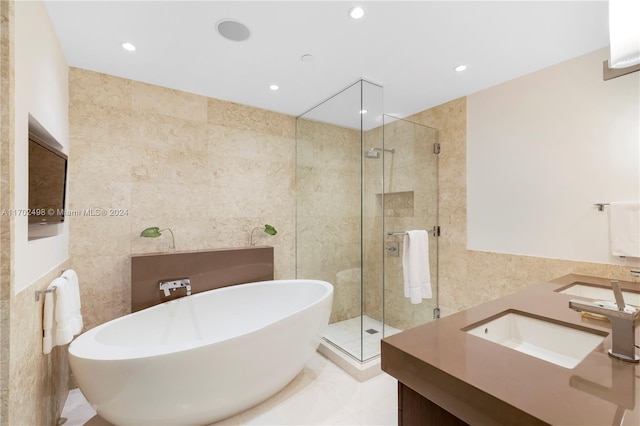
[(410, 48)]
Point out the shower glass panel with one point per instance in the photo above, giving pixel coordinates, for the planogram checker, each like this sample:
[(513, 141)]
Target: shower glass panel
[(410, 203), (346, 174)]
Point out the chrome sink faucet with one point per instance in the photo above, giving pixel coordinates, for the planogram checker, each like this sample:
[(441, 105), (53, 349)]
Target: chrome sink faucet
[(623, 322), (172, 285)]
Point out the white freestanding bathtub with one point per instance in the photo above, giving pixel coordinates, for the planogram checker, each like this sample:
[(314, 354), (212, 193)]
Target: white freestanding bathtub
[(201, 358)]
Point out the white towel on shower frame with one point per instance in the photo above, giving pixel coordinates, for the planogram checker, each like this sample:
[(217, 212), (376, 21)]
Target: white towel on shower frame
[(415, 266)]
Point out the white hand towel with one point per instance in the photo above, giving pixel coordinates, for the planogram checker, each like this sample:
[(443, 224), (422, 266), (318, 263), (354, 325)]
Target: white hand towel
[(624, 228), (64, 320), (47, 322), (415, 266), (71, 276)]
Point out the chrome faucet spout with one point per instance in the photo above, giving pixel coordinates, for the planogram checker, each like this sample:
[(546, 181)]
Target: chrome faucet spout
[(623, 319), (172, 285), (617, 293)]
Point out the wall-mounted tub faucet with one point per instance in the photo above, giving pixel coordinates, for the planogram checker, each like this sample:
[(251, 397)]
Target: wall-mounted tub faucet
[(172, 285), (623, 322)]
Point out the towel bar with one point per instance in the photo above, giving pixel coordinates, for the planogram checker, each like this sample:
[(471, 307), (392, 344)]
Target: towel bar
[(391, 234), (435, 232), (49, 290)]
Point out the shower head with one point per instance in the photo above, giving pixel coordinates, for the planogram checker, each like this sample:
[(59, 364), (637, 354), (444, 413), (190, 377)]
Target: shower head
[(372, 153), (375, 152)]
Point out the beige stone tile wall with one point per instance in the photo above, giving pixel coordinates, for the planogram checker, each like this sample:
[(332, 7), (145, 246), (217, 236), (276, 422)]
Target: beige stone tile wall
[(38, 383), (450, 120), (210, 170), (7, 125), (468, 277)]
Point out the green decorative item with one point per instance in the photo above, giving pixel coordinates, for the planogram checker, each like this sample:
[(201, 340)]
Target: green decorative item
[(270, 230), (267, 229), (155, 232)]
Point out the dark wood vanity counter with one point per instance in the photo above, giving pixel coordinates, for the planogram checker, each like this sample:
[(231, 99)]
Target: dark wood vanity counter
[(483, 383)]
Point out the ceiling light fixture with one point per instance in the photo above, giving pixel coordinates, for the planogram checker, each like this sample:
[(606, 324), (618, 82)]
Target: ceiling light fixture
[(363, 111), (460, 68), (624, 33), (128, 46), (307, 57), (274, 87), (356, 12)]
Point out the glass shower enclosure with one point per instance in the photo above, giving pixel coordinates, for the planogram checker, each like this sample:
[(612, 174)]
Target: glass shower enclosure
[(362, 180)]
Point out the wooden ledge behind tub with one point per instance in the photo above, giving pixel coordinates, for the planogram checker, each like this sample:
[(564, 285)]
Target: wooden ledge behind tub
[(207, 270)]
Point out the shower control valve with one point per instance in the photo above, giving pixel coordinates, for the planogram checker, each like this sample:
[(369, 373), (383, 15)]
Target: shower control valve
[(393, 249)]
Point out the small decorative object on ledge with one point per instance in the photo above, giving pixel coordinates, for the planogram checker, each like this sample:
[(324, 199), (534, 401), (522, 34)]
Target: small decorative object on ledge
[(155, 232), (267, 229)]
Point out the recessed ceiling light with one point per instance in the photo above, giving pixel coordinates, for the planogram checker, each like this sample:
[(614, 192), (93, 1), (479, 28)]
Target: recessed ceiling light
[(306, 57), (363, 111), (233, 30), (274, 87), (460, 68), (128, 46), (356, 12)]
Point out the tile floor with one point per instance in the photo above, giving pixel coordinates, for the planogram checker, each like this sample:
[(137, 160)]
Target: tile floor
[(322, 394), (347, 335)]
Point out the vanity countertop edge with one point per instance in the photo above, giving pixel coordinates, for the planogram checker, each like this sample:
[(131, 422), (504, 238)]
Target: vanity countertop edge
[(481, 382)]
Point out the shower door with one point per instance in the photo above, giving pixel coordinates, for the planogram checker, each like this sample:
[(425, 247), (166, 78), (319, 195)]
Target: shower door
[(410, 181)]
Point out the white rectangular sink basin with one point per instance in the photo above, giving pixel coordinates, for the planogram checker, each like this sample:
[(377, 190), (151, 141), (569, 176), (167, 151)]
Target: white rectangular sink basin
[(561, 345), (601, 293)]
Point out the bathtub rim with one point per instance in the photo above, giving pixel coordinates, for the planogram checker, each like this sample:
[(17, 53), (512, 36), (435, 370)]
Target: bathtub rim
[(98, 351)]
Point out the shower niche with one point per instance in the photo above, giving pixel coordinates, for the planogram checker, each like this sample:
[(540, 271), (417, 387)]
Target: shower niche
[(361, 174)]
